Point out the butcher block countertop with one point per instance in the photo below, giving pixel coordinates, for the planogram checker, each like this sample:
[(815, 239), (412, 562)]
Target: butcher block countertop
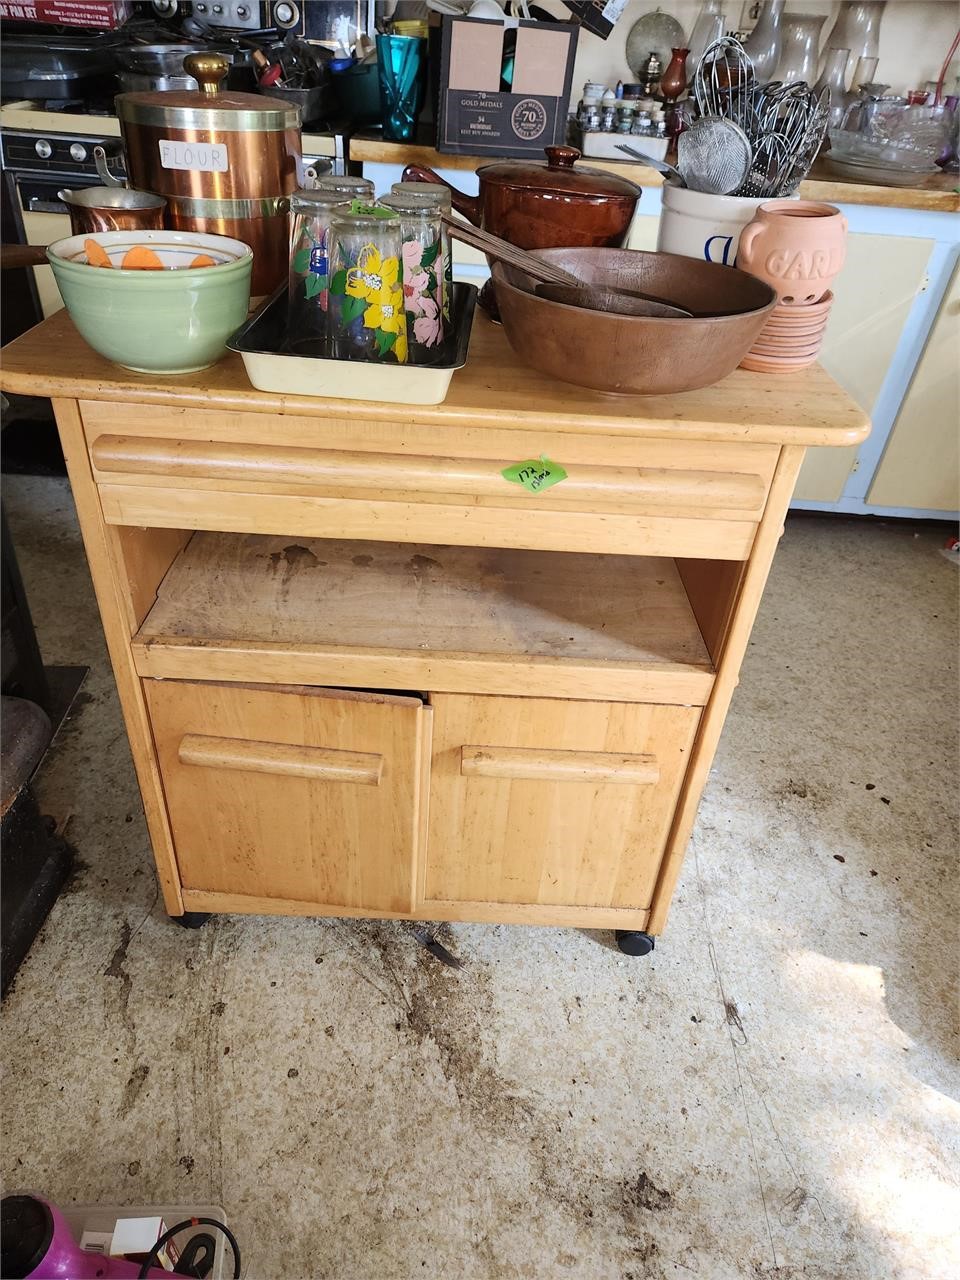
[(494, 389)]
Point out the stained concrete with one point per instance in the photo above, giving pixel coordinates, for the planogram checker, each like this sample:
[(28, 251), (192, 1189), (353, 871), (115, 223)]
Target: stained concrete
[(772, 1093)]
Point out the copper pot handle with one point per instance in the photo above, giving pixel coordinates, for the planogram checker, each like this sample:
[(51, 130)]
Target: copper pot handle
[(22, 255), (469, 206)]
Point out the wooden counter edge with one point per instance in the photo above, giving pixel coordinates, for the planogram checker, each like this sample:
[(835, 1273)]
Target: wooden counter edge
[(20, 382)]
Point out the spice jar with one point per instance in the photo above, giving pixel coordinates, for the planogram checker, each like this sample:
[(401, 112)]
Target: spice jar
[(308, 331), (367, 319), (421, 270), (437, 196)]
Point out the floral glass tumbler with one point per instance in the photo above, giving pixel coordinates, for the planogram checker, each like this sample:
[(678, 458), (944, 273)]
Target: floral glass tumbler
[(421, 270), (438, 197), (402, 71), (367, 317), (307, 299)]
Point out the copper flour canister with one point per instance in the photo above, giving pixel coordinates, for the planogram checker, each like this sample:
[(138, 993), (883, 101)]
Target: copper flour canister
[(226, 162)]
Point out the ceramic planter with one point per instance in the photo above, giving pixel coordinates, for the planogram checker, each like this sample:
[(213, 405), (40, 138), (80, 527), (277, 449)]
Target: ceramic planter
[(797, 246)]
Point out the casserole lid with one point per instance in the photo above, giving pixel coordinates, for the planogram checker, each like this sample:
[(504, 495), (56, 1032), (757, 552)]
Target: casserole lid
[(559, 173)]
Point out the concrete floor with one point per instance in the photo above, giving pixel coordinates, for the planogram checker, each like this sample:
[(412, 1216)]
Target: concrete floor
[(773, 1093)]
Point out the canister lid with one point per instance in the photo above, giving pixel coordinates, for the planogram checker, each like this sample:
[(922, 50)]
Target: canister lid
[(207, 107)]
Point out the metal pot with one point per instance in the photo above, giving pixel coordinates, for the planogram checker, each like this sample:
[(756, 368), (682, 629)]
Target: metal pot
[(157, 59), (538, 205), (226, 162), (134, 82), (112, 209)]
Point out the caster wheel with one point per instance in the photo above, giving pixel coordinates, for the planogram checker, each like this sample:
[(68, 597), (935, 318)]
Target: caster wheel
[(191, 919), (634, 943)]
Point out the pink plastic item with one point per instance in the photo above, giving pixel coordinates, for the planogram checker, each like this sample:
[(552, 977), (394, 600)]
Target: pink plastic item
[(797, 246)]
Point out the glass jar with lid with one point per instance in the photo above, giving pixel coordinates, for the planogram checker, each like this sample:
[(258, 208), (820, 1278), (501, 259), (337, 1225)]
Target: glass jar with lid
[(421, 271), (439, 197), (308, 330), (367, 317)]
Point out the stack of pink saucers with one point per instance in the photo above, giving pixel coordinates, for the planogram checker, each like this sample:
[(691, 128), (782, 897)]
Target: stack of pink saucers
[(791, 338)]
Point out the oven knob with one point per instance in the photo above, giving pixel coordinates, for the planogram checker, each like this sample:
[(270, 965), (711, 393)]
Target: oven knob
[(43, 148), (285, 15), (218, 8), (200, 8), (243, 13), (78, 152)]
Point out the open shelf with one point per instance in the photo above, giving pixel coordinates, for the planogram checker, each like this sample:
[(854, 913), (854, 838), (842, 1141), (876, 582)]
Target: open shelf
[(453, 619)]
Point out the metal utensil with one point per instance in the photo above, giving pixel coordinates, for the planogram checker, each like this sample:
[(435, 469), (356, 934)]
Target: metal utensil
[(601, 298), (724, 79), (714, 155), (660, 165), (546, 273)]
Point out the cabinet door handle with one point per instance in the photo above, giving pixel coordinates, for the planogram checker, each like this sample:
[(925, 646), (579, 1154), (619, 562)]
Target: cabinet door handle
[(320, 764), (537, 764)]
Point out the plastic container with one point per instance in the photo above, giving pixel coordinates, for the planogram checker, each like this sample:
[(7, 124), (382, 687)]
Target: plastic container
[(269, 367)]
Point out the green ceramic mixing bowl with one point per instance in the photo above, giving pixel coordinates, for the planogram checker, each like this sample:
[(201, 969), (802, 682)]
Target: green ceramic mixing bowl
[(173, 321)]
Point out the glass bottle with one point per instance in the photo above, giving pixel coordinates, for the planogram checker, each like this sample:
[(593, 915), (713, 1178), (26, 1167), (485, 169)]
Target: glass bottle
[(421, 273), (857, 28), (307, 299), (438, 196), (707, 28), (833, 77), (765, 41), (367, 318), (800, 55)]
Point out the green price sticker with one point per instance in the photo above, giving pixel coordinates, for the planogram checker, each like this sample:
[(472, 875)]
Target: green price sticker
[(536, 474)]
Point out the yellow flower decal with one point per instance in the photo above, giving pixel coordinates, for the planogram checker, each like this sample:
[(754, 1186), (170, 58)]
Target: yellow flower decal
[(386, 311), (372, 275), (400, 348)]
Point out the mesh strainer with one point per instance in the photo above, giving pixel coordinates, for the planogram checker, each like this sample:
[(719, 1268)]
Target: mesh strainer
[(714, 155)]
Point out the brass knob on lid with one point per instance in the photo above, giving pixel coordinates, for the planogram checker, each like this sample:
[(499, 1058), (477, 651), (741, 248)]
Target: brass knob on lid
[(208, 69)]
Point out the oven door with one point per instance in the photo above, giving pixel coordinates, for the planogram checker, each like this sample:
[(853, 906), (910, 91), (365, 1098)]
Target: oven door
[(40, 217)]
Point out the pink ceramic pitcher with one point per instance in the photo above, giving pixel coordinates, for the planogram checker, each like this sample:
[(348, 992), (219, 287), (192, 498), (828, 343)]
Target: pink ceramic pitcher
[(797, 246)]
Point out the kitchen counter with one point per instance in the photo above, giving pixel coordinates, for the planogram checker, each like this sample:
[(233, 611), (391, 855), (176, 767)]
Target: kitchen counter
[(31, 116), (363, 674), (937, 193)]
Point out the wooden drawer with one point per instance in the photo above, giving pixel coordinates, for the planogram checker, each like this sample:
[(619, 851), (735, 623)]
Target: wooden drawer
[(388, 481), (548, 802), (305, 795)]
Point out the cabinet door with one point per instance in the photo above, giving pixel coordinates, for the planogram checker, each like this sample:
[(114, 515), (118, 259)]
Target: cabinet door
[(306, 795), (543, 801), (920, 465), (873, 296)]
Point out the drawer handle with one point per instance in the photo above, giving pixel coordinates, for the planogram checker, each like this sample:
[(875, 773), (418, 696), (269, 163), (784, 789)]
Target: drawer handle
[(320, 764), (239, 463), (539, 765)]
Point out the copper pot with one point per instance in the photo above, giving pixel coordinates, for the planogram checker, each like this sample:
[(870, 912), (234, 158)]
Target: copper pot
[(549, 205), (112, 209), (226, 162)]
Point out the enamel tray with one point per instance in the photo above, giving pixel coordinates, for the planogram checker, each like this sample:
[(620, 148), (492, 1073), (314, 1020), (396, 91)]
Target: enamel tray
[(260, 342)]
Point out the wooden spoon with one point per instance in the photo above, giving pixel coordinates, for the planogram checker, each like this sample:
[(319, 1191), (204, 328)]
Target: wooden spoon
[(576, 292)]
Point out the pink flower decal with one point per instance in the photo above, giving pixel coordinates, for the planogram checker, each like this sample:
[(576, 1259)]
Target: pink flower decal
[(413, 287), (412, 254), (427, 328)]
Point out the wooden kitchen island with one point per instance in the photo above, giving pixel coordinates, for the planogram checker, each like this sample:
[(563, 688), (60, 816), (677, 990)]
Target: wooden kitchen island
[(363, 674)]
